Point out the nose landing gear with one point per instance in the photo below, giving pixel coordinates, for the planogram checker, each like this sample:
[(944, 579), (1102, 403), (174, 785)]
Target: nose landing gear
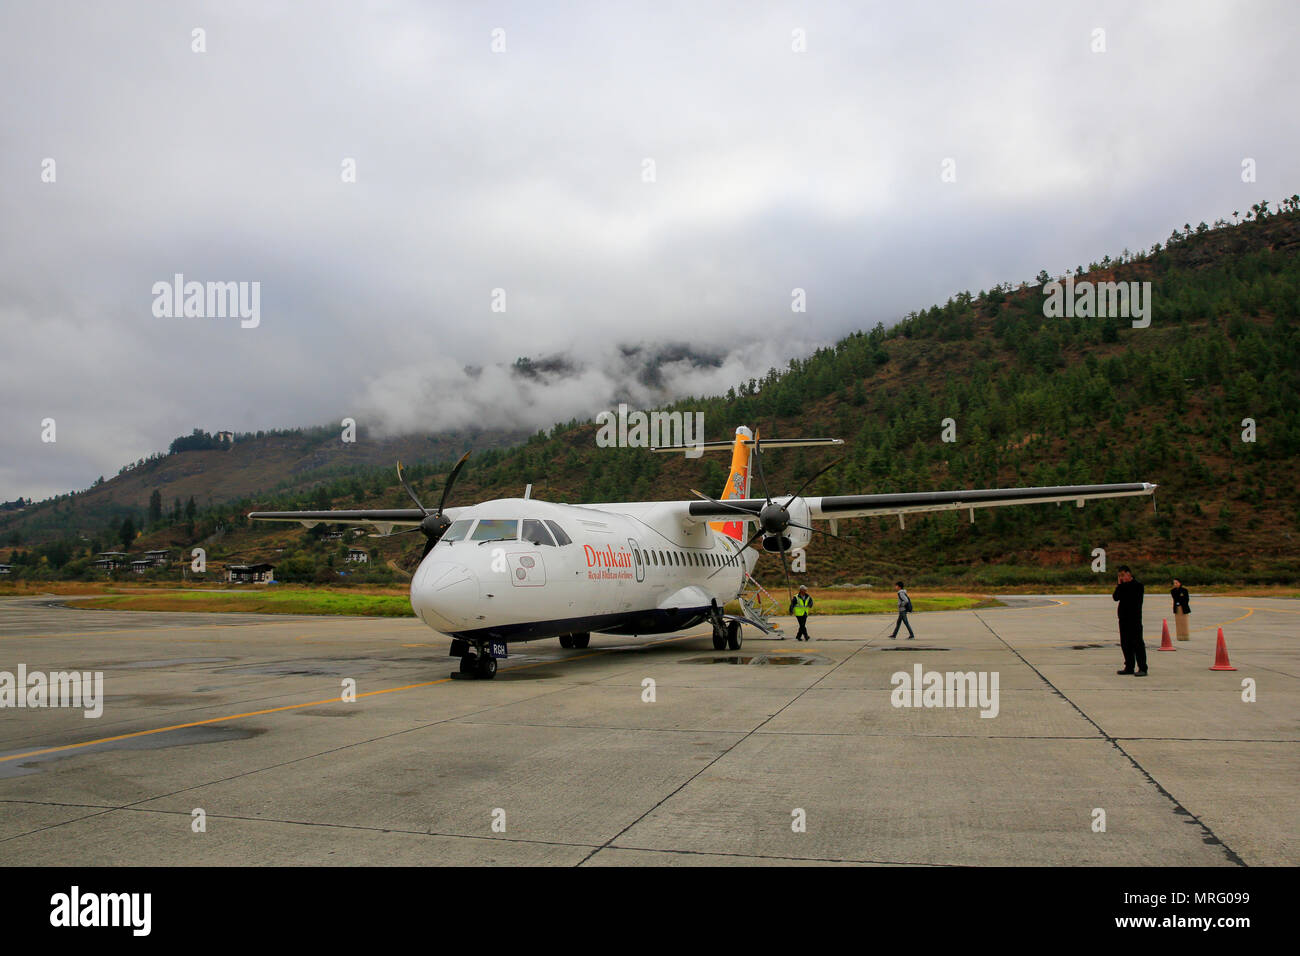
[(477, 664)]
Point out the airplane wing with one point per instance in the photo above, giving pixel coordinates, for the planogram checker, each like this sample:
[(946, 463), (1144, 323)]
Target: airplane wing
[(383, 520), (866, 506)]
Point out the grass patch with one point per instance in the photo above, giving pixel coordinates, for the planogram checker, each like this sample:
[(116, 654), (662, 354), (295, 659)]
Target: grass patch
[(278, 601), (889, 605)]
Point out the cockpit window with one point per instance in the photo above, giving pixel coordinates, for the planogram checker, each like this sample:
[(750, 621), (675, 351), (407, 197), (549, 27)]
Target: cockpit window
[(561, 538), (494, 529), (457, 530), (535, 533)]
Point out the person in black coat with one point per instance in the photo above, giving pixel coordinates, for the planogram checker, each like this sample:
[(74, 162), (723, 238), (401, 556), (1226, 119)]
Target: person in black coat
[(1181, 609), (1129, 592)]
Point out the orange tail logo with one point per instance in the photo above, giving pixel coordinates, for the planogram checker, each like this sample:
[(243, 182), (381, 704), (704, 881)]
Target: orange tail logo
[(737, 484)]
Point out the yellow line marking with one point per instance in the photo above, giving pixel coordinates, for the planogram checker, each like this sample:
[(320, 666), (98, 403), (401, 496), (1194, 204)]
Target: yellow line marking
[(1216, 626), (1055, 603), (1275, 610), (314, 703), (216, 720)]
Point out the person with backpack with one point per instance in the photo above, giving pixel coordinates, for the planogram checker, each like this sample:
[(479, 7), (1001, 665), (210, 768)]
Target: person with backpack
[(904, 609), (800, 605)]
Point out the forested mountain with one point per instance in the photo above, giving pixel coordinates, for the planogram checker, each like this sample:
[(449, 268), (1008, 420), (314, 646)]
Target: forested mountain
[(1033, 400)]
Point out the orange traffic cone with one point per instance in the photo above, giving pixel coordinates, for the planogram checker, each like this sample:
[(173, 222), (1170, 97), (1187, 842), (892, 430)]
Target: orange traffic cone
[(1221, 656), (1165, 643)]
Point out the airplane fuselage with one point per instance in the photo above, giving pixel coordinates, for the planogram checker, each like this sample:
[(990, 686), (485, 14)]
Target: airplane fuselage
[(519, 569)]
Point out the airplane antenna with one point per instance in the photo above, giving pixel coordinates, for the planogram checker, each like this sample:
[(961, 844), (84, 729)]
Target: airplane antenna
[(528, 492)]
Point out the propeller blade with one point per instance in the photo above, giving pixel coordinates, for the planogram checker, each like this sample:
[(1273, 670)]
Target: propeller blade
[(402, 478), (451, 480), (757, 534), (812, 479), (786, 568)]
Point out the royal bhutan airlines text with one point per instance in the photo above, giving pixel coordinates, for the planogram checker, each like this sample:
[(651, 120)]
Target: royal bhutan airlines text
[(607, 563)]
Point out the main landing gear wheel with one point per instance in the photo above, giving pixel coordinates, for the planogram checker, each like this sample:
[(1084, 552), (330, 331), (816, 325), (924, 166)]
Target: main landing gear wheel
[(487, 667), (580, 641), (734, 638), (566, 641)]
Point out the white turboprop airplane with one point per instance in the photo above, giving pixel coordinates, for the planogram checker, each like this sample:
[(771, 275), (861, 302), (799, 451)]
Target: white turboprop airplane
[(521, 569)]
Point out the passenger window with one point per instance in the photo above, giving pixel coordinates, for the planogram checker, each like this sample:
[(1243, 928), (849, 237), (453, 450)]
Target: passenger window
[(560, 537), (536, 533), (494, 529)]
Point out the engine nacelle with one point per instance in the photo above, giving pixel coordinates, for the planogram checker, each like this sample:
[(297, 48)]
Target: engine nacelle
[(792, 538)]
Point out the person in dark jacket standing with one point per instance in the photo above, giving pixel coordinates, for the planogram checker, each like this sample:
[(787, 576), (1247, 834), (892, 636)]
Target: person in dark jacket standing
[(800, 605), (1128, 592), (1181, 609)]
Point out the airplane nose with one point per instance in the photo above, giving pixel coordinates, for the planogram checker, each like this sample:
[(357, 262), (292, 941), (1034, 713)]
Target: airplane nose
[(444, 594)]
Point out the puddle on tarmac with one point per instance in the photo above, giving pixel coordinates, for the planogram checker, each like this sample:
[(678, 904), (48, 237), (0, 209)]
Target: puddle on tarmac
[(182, 737), (909, 647), (1084, 647), (760, 659)]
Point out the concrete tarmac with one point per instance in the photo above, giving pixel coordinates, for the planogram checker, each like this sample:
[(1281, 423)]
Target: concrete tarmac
[(223, 740)]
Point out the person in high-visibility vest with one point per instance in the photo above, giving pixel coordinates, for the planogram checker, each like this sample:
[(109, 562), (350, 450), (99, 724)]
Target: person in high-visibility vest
[(800, 605)]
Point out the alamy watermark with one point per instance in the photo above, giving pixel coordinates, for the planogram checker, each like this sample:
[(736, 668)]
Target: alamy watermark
[(951, 689), (75, 908), (208, 300), (1088, 299), (56, 689), (624, 429)]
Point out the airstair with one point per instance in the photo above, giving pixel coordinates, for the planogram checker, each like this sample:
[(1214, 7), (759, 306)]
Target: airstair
[(758, 606)]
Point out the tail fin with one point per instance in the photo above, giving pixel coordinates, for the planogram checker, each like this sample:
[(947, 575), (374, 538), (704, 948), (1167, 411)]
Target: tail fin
[(737, 483)]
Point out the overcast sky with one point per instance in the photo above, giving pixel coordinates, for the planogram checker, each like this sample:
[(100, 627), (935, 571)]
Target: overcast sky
[(525, 170)]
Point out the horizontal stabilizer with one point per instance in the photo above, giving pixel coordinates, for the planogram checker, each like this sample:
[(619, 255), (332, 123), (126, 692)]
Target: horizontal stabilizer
[(764, 443)]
